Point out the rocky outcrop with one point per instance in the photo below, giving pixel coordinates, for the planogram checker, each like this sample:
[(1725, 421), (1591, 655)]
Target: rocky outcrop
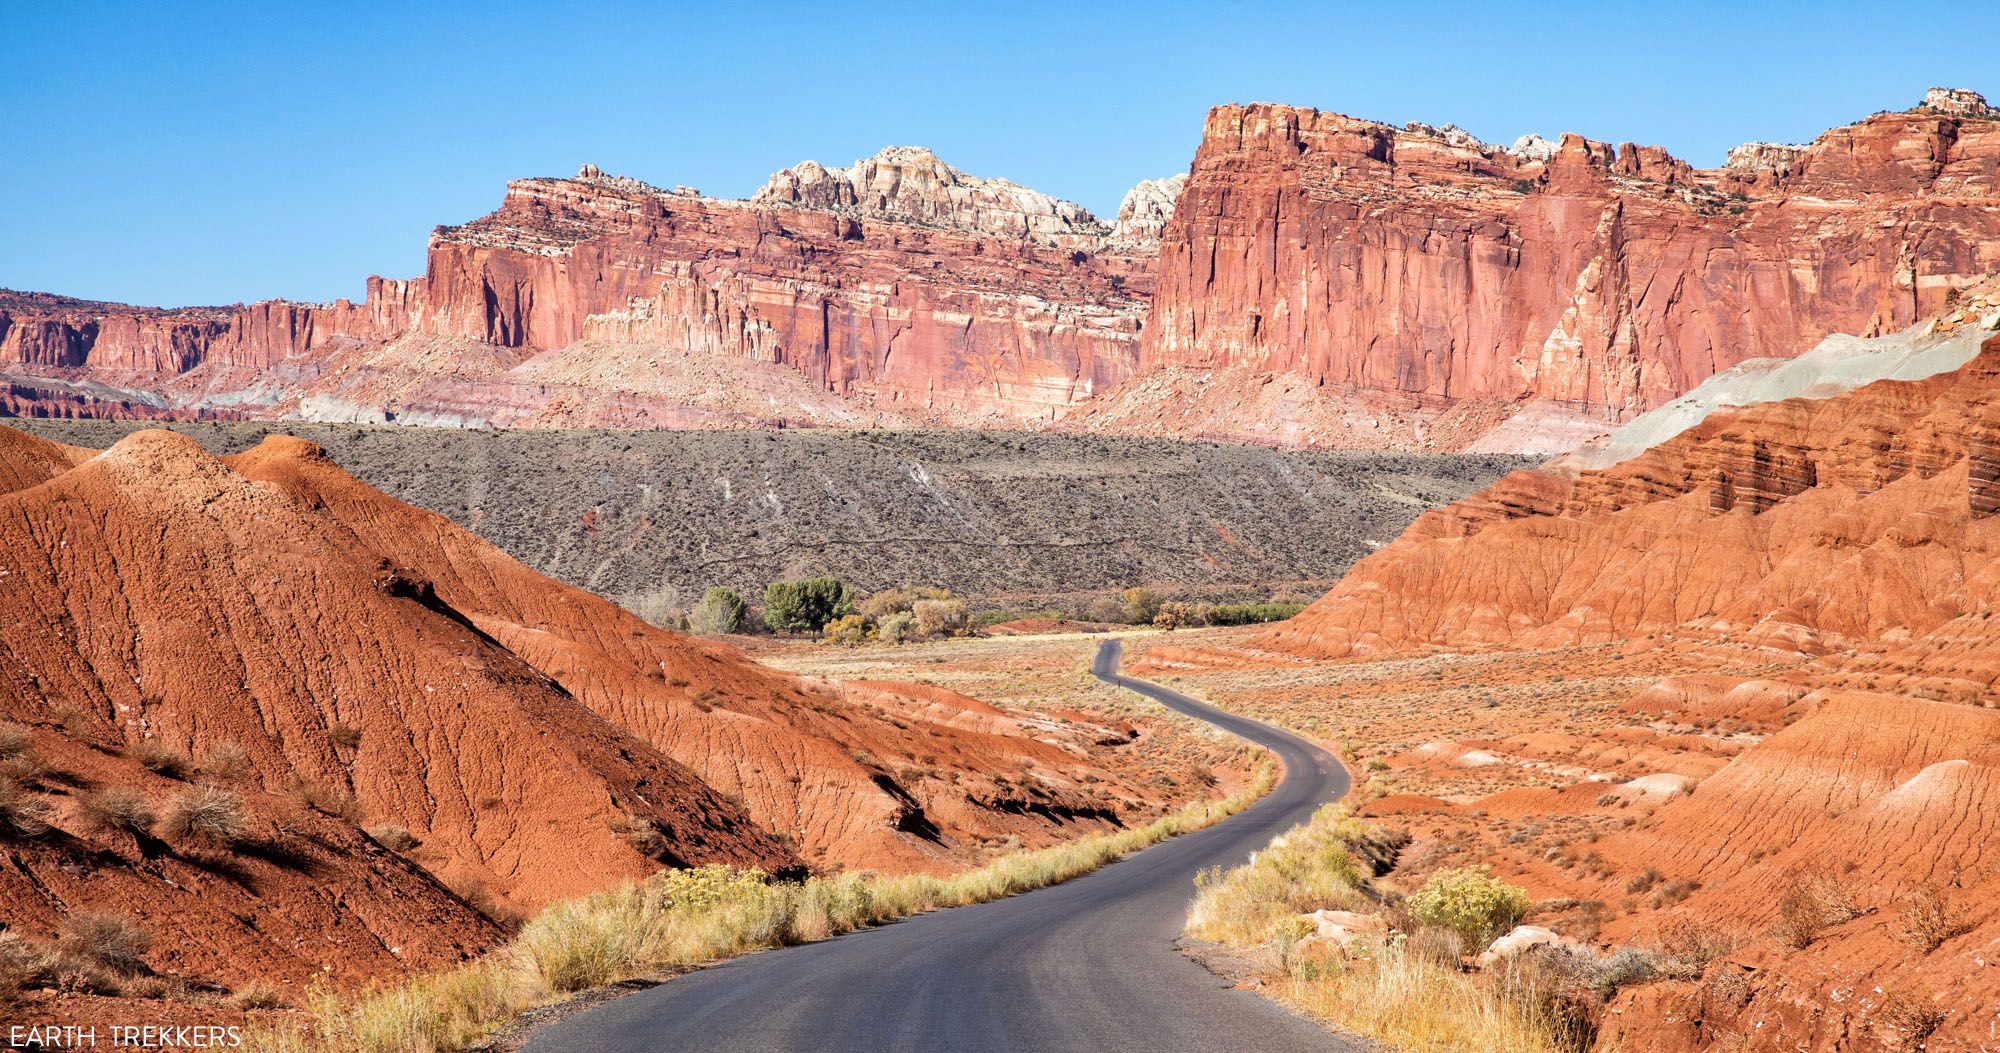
[(900, 282), (1423, 263), (910, 183), (1143, 215), (1407, 287)]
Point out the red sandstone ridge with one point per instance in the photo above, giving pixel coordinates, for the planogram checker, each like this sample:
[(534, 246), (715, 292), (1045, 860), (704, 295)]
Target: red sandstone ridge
[(898, 290), (1424, 265), (1322, 281)]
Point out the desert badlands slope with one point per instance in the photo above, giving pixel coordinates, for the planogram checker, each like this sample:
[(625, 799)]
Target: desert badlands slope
[(1735, 690), (308, 730)]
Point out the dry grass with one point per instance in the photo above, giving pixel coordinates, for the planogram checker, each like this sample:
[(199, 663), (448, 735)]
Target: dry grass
[(333, 801), (206, 819), (162, 759), (116, 808), (1406, 989), (226, 760), (682, 918), (1311, 867), (23, 812), (1416, 1004), (1907, 1021), (108, 941), (1929, 918), (15, 740)]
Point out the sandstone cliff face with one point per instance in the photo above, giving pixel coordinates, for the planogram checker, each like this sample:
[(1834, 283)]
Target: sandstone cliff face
[(901, 284), (1426, 264), (1400, 287)]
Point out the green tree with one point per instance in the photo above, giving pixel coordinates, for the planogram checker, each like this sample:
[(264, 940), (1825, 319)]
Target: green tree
[(806, 605), (720, 611)]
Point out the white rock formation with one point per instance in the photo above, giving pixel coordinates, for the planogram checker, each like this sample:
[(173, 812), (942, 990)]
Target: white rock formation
[(910, 183), (1958, 101), (1144, 213), (1780, 158), (1522, 938), (1533, 149)]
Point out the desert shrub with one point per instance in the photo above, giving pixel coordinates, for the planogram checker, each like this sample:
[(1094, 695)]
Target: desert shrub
[(1470, 902), (642, 834), (1629, 967), (161, 759), (805, 606), (895, 628), (205, 818), (1929, 918), (1907, 1021), (901, 599), (226, 760), (848, 629), (1251, 613), (393, 837), (345, 736), (720, 611), (1809, 903), (14, 740), (1673, 892), (1644, 882), (1140, 606), (23, 964), (1684, 947), (1104, 609), (23, 812), (116, 808), (332, 801), (109, 941), (938, 617)]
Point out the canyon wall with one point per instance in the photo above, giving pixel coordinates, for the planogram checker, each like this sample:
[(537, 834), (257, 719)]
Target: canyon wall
[(900, 280), (1424, 263), (1321, 281)]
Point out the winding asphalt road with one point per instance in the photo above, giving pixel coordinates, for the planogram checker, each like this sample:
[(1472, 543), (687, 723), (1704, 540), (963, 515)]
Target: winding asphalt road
[(1087, 965)]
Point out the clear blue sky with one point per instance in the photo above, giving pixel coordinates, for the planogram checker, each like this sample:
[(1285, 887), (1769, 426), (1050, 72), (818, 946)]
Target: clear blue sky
[(166, 153)]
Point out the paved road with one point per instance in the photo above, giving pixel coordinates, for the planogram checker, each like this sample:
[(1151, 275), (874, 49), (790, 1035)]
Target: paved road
[(1088, 965)]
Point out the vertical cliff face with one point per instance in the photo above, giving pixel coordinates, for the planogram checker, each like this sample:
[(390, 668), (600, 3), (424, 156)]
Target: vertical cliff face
[(1422, 262), (1321, 280), (900, 282)]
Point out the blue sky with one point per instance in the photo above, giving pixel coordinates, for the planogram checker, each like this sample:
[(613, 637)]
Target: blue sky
[(167, 153)]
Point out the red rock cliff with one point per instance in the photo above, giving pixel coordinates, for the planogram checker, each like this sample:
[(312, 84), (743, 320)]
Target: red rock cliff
[(1425, 263), (900, 279)]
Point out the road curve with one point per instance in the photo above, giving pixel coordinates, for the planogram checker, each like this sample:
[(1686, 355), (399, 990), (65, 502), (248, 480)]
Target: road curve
[(1086, 965)]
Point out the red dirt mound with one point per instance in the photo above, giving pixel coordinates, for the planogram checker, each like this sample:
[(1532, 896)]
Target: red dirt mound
[(856, 775), (1832, 814)]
